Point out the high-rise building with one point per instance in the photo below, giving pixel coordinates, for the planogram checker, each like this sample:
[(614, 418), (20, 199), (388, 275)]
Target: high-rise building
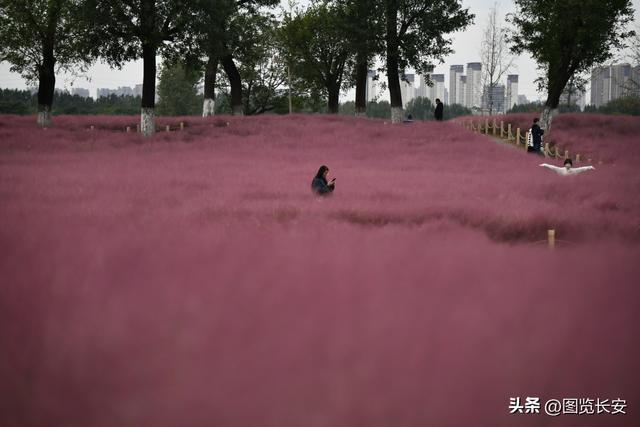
[(511, 98), (137, 90), (461, 89), (372, 76), (446, 96), (576, 97), (437, 90), (522, 99), (80, 91), (121, 91), (493, 99), (407, 89), (474, 85), (455, 94), (422, 90), (611, 82)]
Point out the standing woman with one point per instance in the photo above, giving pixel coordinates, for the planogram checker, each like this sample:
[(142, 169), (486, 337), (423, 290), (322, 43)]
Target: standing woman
[(319, 185)]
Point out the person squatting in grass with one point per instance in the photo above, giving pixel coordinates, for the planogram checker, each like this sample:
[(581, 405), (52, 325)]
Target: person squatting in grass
[(568, 168), (534, 142), (319, 185)]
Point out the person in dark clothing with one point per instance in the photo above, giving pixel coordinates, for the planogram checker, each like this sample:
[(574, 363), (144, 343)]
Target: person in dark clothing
[(319, 185), (535, 138), (439, 113)]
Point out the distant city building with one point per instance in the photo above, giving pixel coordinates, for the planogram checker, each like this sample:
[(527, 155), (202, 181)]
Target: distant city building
[(612, 82), (455, 89), (577, 97), (474, 85), (462, 91), (437, 90), (511, 97), (371, 94), (137, 91), (80, 91), (423, 89), (407, 89), (493, 99), (522, 99), (121, 91), (446, 96)]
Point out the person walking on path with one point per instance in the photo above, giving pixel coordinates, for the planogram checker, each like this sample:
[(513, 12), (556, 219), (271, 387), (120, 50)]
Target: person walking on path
[(535, 137), (438, 114)]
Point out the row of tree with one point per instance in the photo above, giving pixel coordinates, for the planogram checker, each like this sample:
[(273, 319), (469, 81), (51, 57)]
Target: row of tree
[(320, 50)]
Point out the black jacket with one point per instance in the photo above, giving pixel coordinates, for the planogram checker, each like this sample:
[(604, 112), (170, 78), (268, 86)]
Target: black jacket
[(319, 186), (439, 111), (536, 136)]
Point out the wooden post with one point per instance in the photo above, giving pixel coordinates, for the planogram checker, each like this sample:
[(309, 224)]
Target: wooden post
[(495, 127), (578, 158), (181, 125), (486, 126), (517, 136), (551, 238), (509, 137), (168, 128), (501, 129), (566, 154), (92, 127), (546, 149), (128, 129)]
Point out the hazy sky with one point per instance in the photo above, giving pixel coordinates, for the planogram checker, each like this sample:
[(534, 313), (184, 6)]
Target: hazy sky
[(466, 46)]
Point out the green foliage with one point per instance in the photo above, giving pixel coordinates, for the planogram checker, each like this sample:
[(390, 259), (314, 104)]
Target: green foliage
[(24, 102), (530, 107), (29, 28), (317, 49), (178, 91), (627, 105), (423, 109), (422, 29), (379, 109), (568, 37)]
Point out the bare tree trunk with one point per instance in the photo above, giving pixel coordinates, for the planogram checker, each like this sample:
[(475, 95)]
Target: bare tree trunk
[(393, 72), (147, 116), (236, 84), (210, 73), (362, 69), (46, 86)]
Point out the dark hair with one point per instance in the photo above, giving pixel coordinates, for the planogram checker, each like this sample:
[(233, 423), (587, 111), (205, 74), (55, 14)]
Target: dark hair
[(437, 100), (321, 171), (568, 161), (536, 120)]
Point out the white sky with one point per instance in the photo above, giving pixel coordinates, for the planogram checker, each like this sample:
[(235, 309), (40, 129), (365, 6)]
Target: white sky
[(465, 44)]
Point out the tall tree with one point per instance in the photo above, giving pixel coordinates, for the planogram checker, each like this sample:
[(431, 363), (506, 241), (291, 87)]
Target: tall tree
[(178, 90), (38, 37), (415, 34), (568, 37), (365, 32), (225, 32), (318, 49), (125, 30), (496, 57)]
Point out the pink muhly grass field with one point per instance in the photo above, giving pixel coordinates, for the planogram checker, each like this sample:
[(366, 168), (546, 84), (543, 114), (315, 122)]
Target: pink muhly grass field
[(194, 280)]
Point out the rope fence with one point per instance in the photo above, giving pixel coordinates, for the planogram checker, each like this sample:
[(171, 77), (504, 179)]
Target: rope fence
[(167, 128), (520, 139), (504, 131)]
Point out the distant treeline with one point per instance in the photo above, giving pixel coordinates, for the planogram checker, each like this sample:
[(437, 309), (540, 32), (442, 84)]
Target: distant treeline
[(419, 108), (13, 101), (628, 105)]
